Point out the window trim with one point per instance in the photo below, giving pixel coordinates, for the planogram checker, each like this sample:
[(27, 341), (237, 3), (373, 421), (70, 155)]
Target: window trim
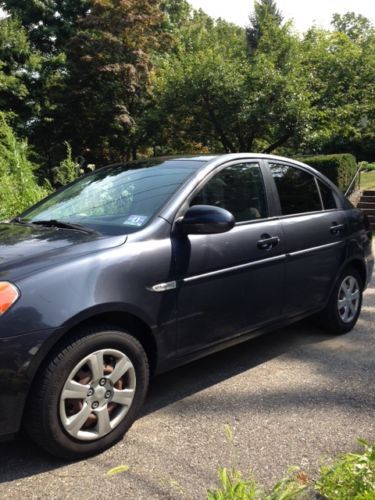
[(262, 167), (316, 178)]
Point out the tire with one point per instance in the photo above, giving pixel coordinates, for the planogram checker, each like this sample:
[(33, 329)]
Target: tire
[(332, 318), (76, 407)]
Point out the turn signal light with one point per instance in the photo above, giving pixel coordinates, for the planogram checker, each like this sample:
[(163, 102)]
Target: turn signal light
[(8, 296)]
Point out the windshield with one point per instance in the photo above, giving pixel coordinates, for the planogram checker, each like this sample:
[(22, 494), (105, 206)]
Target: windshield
[(116, 199)]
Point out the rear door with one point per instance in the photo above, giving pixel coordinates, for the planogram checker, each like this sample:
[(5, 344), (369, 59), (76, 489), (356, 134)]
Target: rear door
[(232, 282), (314, 231)]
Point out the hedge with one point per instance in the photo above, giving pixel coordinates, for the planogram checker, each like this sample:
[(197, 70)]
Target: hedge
[(339, 168)]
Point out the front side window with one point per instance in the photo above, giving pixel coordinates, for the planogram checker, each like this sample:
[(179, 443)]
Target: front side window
[(297, 189), (118, 199), (239, 189)]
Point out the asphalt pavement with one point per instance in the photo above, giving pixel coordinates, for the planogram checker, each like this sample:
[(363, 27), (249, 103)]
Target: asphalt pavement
[(296, 396)]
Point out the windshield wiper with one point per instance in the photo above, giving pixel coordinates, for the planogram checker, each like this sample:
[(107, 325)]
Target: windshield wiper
[(63, 225), (18, 220)]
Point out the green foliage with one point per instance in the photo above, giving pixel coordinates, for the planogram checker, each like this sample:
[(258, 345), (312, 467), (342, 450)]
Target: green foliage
[(50, 23), (212, 92), (19, 189), (266, 15), (341, 74), (367, 166), (18, 73), (109, 66), (176, 13), (339, 168), (68, 170), (234, 487), (355, 26), (122, 78), (352, 476)]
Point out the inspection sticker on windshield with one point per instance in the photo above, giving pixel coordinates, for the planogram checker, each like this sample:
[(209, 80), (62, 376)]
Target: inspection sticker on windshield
[(135, 220)]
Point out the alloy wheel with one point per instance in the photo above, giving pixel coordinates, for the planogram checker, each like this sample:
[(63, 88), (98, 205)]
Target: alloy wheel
[(97, 394), (348, 299)]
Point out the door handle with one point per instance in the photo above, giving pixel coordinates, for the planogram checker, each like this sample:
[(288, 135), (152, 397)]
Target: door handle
[(267, 242), (336, 228)]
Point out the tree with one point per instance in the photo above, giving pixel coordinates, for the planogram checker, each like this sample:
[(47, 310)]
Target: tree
[(212, 93), (49, 23), (266, 15), (109, 67), (176, 13), (19, 67), (357, 27), (197, 87), (341, 80)]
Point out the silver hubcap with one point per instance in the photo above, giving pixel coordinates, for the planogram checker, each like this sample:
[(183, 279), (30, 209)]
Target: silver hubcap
[(348, 299), (97, 394)]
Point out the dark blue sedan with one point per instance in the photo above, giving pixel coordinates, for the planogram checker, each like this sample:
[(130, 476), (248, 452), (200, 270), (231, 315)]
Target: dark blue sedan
[(135, 269)]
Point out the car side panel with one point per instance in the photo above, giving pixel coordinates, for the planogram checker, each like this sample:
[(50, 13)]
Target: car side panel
[(315, 256), (227, 285)]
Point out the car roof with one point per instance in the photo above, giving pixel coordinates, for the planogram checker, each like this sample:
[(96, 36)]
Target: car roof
[(227, 157)]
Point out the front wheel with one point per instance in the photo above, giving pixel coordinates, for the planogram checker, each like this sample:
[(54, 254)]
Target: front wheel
[(88, 394), (344, 306)]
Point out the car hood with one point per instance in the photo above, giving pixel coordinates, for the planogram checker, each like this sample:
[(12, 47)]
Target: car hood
[(25, 249)]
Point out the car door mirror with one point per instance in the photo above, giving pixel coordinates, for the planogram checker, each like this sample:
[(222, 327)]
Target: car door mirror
[(206, 219)]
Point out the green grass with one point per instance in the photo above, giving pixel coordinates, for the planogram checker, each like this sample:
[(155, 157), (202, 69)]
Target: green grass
[(368, 180)]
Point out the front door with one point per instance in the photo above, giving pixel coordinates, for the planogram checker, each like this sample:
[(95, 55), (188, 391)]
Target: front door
[(230, 283)]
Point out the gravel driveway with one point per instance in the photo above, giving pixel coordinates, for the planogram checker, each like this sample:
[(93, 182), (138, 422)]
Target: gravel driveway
[(292, 397)]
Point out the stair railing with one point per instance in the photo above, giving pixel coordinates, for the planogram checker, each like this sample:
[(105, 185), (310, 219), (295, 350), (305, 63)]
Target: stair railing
[(351, 184)]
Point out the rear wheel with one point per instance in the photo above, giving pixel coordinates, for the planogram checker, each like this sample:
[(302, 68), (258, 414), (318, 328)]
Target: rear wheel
[(88, 394), (343, 309)]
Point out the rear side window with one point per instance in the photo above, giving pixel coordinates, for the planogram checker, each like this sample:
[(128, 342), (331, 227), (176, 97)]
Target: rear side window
[(328, 198), (239, 189), (297, 189)]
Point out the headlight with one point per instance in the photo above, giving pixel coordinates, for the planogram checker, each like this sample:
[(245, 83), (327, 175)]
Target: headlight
[(8, 296)]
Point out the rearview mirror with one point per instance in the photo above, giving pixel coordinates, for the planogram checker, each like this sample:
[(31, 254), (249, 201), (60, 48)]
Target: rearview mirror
[(206, 219)]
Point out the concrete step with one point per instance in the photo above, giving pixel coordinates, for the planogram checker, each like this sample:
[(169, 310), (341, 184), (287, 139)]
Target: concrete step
[(368, 211), (367, 199), (366, 204)]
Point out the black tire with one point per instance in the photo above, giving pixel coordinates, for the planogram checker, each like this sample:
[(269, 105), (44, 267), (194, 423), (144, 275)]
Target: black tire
[(330, 318), (42, 416)]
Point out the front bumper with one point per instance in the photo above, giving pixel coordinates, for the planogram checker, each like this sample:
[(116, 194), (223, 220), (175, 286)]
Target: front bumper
[(19, 359)]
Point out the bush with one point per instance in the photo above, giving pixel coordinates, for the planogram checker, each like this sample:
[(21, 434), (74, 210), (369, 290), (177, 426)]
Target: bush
[(68, 170), (339, 168), (18, 186)]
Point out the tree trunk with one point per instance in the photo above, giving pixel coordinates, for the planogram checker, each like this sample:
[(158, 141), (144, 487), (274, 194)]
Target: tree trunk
[(228, 146), (278, 143)]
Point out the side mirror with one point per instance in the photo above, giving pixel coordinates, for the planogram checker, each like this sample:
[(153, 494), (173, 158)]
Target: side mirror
[(206, 219)]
